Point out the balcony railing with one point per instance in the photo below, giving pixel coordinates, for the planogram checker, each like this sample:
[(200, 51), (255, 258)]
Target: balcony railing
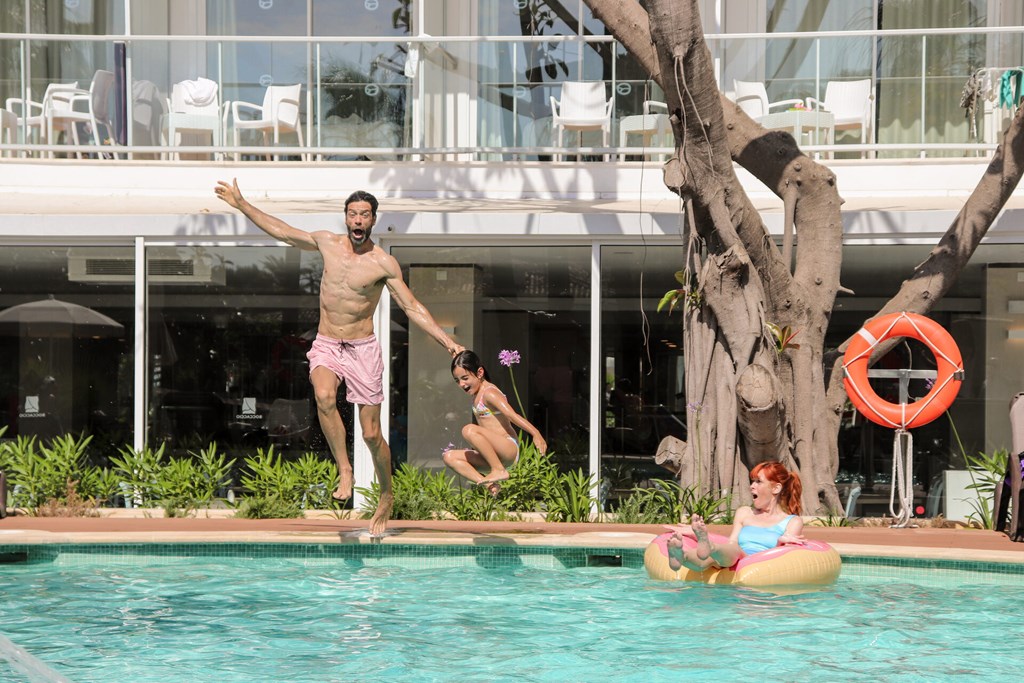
[(486, 98)]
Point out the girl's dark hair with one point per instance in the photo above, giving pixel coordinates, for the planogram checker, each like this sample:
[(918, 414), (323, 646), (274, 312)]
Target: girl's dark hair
[(362, 196), (468, 360)]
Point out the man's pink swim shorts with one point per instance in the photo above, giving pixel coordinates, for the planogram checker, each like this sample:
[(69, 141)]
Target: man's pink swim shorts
[(357, 362)]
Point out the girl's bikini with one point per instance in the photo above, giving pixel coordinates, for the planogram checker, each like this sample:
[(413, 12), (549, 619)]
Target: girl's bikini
[(480, 409)]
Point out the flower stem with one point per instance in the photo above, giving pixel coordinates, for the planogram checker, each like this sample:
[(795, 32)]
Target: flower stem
[(516, 392)]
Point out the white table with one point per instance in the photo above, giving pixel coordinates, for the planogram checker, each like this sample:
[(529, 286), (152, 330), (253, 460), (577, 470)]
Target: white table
[(655, 129), (800, 122), (177, 124)]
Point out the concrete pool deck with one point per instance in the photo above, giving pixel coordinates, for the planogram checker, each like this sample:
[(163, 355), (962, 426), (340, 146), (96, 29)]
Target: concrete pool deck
[(959, 544)]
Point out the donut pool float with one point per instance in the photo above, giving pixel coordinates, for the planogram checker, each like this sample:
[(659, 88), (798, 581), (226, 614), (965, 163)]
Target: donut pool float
[(811, 563)]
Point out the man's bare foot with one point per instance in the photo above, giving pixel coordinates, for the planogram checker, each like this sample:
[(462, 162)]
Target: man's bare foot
[(700, 530), (344, 490), (379, 522), (494, 476)]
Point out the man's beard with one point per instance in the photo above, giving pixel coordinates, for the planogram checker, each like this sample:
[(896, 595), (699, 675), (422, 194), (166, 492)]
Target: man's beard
[(358, 242)]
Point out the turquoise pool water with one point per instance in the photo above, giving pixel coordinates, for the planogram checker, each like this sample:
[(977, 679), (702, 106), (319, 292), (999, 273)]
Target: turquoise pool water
[(409, 614)]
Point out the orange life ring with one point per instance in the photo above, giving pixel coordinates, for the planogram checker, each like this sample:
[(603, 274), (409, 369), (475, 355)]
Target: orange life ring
[(949, 367)]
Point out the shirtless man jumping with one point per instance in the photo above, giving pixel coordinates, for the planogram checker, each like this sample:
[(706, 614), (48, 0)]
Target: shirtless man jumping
[(355, 273)]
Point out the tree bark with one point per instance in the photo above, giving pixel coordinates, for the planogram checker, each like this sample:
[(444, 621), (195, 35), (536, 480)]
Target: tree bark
[(747, 396), (744, 281)]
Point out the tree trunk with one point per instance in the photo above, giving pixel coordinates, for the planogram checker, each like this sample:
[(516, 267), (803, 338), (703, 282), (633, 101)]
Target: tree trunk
[(751, 398), (744, 408)]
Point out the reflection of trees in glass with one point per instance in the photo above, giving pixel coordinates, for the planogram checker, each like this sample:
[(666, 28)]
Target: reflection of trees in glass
[(373, 95), (283, 273), (543, 63), (402, 16), (541, 58)]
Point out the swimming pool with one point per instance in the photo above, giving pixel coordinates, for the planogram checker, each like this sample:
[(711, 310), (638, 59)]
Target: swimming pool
[(285, 612)]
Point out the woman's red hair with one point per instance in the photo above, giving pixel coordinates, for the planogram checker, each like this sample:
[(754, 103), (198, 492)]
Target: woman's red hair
[(792, 488)]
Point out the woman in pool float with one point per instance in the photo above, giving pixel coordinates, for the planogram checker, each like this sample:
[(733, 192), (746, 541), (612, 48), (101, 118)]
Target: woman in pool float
[(773, 519), (493, 440)]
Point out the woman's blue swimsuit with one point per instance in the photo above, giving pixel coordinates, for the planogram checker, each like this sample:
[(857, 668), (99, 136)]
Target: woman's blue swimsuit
[(753, 539)]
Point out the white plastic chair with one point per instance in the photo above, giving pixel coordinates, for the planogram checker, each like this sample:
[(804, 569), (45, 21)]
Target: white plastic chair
[(851, 499), (583, 107), (850, 103), (33, 116), (279, 113), (194, 108), (752, 97), (89, 107), (8, 127)]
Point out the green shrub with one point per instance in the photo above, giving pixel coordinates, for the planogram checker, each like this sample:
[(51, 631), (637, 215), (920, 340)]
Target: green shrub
[(139, 471), (661, 503), (568, 499), (832, 518), (529, 481), (419, 494), (987, 472), (265, 475), (715, 507), (268, 506), (213, 473), (316, 479), (41, 472), (472, 502)]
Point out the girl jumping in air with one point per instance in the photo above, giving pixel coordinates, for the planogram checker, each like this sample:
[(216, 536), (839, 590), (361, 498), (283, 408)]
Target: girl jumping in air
[(493, 440)]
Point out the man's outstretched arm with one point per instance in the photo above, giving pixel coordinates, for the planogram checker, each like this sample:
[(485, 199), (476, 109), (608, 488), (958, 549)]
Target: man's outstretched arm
[(416, 311), (273, 226)]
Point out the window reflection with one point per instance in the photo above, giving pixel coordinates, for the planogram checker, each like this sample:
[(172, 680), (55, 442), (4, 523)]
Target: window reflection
[(229, 328), (364, 96), (494, 298), (66, 330), (643, 379)]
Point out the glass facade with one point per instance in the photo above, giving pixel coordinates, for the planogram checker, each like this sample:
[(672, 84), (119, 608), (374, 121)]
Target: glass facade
[(227, 326), (643, 392), (227, 334), (66, 332), (374, 82), (534, 300)]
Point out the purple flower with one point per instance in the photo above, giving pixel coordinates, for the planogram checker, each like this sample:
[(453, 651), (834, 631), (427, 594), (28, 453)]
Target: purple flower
[(508, 358), (693, 407), (447, 448)]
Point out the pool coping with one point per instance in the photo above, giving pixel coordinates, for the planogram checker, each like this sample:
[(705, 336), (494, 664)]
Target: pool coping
[(955, 544)]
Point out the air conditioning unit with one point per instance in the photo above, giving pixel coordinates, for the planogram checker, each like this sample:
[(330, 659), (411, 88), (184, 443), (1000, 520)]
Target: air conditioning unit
[(164, 265)]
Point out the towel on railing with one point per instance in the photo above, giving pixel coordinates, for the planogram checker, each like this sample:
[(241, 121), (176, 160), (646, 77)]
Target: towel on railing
[(200, 92), (1010, 88)]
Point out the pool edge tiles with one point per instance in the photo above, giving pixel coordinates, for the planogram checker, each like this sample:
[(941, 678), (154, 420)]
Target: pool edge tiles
[(894, 567), (427, 556), (406, 555), (595, 539)]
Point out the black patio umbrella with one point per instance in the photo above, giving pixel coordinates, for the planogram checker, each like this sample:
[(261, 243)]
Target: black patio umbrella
[(55, 318)]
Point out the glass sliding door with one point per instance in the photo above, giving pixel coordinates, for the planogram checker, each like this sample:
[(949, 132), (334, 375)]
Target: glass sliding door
[(642, 366), (516, 81), (534, 300), (66, 331), (228, 331)]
